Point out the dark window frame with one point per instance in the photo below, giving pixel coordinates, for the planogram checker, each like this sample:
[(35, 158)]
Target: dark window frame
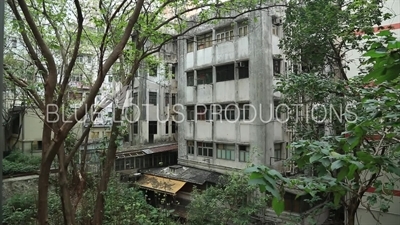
[(190, 78), (153, 97), (225, 72)]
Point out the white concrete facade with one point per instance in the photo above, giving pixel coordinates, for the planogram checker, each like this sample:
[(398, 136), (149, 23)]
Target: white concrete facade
[(220, 66)]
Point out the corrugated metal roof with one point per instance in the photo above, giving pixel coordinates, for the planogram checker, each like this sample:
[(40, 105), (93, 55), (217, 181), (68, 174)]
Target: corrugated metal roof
[(160, 149), (147, 151)]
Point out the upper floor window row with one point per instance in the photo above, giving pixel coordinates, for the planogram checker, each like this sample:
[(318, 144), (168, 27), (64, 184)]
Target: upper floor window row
[(223, 73), (206, 40)]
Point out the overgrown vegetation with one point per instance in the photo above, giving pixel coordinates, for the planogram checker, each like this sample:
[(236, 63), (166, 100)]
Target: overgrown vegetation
[(367, 154), (18, 162), (229, 202), (124, 205)]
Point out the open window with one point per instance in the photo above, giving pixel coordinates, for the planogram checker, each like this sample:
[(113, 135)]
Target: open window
[(190, 78), (225, 72), (204, 76), (203, 112), (205, 149), (243, 69)]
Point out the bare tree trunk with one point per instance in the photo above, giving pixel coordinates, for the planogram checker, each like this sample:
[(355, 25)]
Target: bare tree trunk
[(69, 216), (106, 170)]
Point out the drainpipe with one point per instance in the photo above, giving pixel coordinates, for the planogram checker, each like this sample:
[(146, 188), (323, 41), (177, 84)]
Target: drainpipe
[(2, 135)]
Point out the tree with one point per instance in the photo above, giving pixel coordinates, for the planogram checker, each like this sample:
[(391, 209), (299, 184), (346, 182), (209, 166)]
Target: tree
[(319, 34), (367, 154), (230, 199), (56, 35)]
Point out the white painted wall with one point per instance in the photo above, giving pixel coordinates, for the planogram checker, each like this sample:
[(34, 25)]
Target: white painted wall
[(224, 52), (225, 91), (189, 130), (189, 60), (225, 131), (190, 94), (203, 130), (244, 89), (203, 56), (204, 93), (243, 47), (244, 132)]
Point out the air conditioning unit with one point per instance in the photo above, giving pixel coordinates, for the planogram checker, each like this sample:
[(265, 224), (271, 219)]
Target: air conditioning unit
[(277, 21), (242, 64)]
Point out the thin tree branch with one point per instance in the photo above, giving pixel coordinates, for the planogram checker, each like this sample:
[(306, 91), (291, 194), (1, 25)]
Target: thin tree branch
[(71, 64)]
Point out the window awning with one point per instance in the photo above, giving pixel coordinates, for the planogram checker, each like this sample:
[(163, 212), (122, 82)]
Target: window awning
[(160, 184)]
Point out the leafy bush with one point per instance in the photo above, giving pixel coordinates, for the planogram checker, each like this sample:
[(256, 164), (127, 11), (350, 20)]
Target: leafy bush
[(20, 209), (18, 162)]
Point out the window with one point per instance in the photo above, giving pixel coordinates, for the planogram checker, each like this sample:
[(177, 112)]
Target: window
[(244, 152), (119, 164), (174, 126), (295, 69), (225, 112), (204, 41), (244, 111), (89, 59), (76, 78), (95, 135), (243, 31), (190, 148), (190, 78), (277, 66), (204, 76), (138, 162), (173, 69), (14, 42), (173, 100), (166, 99), (225, 73), (190, 112), (225, 151), (166, 127), (135, 98), (190, 45), (153, 70), (277, 111), (278, 151), (153, 98), (80, 59), (203, 113), (205, 149), (243, 69), (225, 36), (135, 127), (275, 30), (39, 145), (110, 78)]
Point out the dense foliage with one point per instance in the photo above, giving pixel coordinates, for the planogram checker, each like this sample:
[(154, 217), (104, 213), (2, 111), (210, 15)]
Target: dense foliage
[(18, 162), (367, 154), (226, 203), (124, 205)]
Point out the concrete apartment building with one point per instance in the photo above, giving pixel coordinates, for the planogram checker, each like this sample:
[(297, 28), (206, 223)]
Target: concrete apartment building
[(231, 66), (221, 68)]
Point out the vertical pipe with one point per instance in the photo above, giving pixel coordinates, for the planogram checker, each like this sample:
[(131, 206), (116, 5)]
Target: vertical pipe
[(2, 135)]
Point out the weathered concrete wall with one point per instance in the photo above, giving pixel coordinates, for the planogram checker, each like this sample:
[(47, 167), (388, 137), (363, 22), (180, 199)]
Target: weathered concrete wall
[(19, 185)]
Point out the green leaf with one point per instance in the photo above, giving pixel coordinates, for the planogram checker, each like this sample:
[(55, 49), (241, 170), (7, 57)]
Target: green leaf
[(352, 170), (342, 174), (315, 157), (336, 199), (353, 141), (278, 205), (337, 164)]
